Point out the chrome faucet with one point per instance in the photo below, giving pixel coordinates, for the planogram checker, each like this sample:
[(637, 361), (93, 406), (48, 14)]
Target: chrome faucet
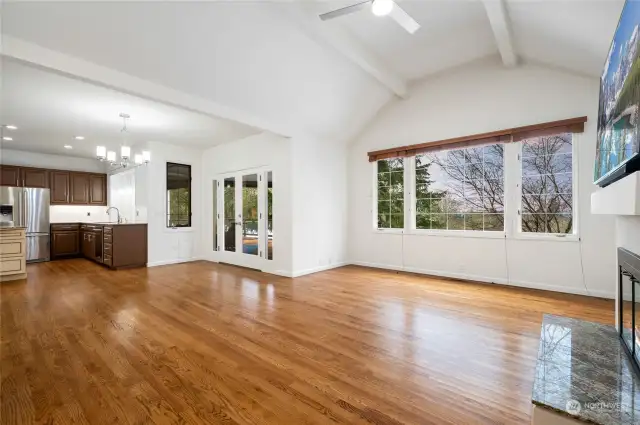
[(118, 211)]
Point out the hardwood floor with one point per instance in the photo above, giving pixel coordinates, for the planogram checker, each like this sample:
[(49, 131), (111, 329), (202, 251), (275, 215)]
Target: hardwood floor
[(201, 343)]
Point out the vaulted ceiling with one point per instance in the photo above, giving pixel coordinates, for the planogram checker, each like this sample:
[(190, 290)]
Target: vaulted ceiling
[(276, 66)]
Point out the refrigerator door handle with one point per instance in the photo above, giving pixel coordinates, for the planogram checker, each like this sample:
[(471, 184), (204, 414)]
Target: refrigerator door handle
[(24, 208)]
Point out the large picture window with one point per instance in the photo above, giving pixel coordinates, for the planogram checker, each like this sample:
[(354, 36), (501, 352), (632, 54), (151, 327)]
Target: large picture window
[(516, 182), (390, 184), (547, 184), (178, 195), (461, 189)]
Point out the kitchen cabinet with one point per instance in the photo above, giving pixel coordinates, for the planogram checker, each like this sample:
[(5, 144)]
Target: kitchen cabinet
[(115, 245), (59, 187), (98, 189), (13, 253), (67, 187), (65, 240), (79, 188), (9, 176), (34, 177), (89, 245)]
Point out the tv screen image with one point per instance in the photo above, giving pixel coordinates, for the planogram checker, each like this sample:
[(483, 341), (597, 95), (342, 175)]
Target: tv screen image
[(618, 120)]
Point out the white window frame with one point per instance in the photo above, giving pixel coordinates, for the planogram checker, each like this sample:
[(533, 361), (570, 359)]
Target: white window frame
[(453, 233), (512, 201), (575, 174), (374, 211)]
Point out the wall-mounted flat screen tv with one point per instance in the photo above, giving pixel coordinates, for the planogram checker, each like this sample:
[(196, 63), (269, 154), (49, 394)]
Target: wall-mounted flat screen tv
[(618, 150)]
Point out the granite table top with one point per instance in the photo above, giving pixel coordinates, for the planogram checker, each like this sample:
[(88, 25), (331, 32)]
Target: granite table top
[(584, 373)]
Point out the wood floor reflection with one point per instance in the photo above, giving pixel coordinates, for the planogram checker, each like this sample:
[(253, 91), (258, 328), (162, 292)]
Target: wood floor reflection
[(201, 343)]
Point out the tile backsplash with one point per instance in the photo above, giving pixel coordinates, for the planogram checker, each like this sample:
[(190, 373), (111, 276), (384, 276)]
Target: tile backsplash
[(78, 213)]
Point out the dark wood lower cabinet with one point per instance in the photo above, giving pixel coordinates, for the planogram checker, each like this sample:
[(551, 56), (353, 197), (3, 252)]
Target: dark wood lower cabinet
[(114, 245), (65, 244)]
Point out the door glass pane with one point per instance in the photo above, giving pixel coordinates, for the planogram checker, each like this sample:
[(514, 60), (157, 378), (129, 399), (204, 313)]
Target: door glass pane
[(215, 215), (269, 249), (250, 214), (229, 214)]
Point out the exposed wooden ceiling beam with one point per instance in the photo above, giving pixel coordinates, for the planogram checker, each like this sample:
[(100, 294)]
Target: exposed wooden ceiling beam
[(347, 45), (497, 14)]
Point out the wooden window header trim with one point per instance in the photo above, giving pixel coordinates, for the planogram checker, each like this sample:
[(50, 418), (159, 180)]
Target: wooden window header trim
[(572, 125)]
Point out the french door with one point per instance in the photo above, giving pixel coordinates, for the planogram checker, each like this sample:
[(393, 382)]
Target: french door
[(244, 217)]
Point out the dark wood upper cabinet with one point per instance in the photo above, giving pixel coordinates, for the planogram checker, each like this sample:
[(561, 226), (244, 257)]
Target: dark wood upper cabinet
[(34, 177), (67, 187), (60, 187), (98, 189), (79, 188), (9, 176)]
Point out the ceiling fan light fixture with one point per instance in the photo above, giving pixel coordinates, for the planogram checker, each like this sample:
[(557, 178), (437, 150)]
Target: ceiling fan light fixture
[(381, 7)]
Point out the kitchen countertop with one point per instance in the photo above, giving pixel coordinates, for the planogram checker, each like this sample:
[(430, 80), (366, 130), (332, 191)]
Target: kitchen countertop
[(11, 227), (585, 362)]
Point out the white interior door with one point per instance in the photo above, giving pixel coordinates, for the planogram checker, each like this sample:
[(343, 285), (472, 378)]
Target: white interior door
[(241, 218)]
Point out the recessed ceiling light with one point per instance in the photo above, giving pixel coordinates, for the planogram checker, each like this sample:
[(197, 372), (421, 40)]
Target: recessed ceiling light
[(8, 139), (68, 147), (11, 127), (79, 137)]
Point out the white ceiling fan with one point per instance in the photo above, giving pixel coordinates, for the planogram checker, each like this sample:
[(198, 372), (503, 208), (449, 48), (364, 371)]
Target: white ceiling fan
[(378, 8)]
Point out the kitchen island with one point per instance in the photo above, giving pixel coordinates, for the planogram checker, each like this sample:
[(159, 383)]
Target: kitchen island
[(115, 245), (13, 253)]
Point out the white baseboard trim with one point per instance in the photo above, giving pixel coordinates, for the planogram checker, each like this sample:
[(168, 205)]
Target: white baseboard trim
[(602, 294), (462, 276), (283, 273), (299, 273), (438, 273), (501, 281), (168, 262)]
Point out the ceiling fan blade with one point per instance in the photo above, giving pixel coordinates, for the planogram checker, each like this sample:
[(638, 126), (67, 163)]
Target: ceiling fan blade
[(403, 19), (345, 10)]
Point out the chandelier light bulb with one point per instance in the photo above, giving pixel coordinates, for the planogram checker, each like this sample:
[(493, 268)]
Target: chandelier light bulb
[(146, 156), (381, 7), (101, 152), (125, 152), (111, 156)]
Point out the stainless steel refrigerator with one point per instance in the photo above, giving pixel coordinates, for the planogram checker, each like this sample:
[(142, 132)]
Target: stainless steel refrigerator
[(28, 207)]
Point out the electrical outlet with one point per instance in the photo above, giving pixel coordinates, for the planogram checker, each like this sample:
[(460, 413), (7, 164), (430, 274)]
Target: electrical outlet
[(88, 214)]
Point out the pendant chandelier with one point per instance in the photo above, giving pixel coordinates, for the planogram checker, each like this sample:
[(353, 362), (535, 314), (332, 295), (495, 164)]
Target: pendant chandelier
[(125, 151)]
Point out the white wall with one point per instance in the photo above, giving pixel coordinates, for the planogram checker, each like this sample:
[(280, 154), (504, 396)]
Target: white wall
[(79, 213), (264, 151), (319, 176), (122, 195), (167, 246), (474, 99), (41, 160), (628, 233)]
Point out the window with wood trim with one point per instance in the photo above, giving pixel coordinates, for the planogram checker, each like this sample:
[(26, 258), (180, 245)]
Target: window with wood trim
[(460, 189), (178, 195), (390, 185), (461, 184), (547, 184)]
